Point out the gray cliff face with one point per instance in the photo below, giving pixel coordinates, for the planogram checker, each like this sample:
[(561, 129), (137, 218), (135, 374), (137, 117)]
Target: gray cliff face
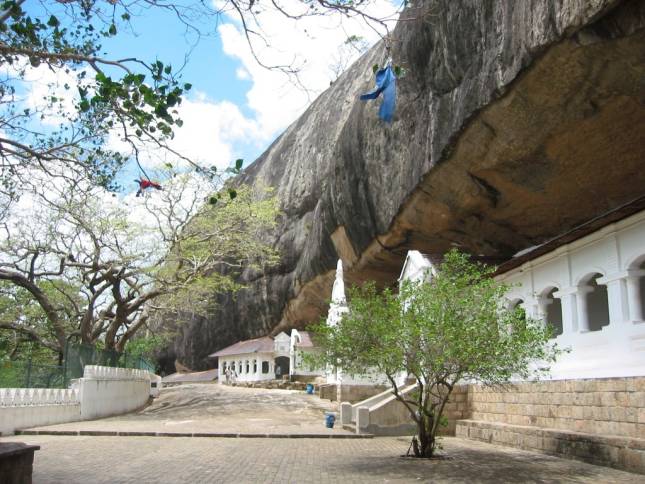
[(516, 121)]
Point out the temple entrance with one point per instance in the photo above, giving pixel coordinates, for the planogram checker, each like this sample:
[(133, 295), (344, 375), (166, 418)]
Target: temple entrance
[(281, 367)]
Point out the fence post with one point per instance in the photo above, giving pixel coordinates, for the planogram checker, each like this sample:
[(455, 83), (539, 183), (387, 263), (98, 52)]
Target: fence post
[(65, 382), (28, 373)]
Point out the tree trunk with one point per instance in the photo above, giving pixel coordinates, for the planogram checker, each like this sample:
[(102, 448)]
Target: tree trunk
[(424, 442)]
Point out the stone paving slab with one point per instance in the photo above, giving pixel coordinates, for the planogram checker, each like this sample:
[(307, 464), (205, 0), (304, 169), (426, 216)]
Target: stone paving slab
[(217, 409), (89, 459)]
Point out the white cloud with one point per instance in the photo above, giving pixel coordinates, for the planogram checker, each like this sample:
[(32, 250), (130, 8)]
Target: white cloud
[(208, 135), (37, 85), (242, 74), (311, 43)]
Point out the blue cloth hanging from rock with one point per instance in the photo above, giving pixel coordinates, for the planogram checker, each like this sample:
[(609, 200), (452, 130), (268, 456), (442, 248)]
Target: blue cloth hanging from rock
[(386, 84)]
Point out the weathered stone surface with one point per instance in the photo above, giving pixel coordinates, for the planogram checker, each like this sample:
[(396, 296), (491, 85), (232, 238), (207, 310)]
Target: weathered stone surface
[(516, 122)]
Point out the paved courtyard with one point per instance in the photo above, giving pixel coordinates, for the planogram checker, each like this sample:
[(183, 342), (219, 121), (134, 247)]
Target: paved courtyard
[(79, 459), (215, 409), (221, 409)]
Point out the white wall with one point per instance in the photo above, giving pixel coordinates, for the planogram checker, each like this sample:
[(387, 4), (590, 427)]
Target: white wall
[(101, 392), (243, 375), (112, 391), (32, 407), (617, 253)]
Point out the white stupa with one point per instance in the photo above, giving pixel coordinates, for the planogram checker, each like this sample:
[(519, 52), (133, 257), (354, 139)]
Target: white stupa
[(338, 304)]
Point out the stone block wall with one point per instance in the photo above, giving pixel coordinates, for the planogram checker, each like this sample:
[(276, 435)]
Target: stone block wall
[(457, 408), (601, 421), (608, 406)]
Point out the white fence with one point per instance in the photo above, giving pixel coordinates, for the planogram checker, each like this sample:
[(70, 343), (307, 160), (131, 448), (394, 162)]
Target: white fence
[(103, 391), (109, 373), (13, 397)]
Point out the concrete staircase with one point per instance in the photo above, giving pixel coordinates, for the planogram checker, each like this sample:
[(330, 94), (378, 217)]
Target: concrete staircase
[(381, 414)]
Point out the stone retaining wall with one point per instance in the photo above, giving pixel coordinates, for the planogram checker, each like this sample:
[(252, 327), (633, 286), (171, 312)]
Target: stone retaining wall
[(601, 421), (611, 406)]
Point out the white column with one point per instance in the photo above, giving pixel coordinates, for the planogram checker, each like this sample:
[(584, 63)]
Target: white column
[(617, 296), (532, 308), (567, 298), (581, 306), (634, 301)]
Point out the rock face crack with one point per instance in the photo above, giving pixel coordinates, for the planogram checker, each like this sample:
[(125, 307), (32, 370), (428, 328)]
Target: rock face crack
[(516, 122)]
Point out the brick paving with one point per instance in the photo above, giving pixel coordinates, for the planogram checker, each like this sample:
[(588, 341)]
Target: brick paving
[(81, 459)]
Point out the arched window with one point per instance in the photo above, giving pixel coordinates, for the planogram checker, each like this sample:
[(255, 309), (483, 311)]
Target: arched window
[(595, 308), (239, 365), (552, 310), (516, 305), (255, 366), (247, 366)]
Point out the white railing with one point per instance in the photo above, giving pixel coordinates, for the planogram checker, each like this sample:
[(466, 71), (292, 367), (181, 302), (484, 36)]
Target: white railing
[(109, 373), (16, 397)]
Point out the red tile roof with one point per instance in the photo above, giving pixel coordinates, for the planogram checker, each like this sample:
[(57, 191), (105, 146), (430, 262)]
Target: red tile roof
[(257, 345)]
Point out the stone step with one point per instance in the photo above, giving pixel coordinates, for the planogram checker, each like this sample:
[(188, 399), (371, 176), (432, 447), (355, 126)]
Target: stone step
[(351, 427), (609, 450)]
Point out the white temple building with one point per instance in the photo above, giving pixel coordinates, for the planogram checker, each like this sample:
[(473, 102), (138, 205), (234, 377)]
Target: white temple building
[(266, 358), (590, 285)]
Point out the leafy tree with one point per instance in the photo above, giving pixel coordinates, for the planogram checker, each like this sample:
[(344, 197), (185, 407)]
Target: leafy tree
[(120, 261), (25, 330), (455, 328)]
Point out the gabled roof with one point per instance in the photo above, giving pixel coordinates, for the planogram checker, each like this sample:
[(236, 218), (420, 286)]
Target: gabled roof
[(257, 345), (305, 340)]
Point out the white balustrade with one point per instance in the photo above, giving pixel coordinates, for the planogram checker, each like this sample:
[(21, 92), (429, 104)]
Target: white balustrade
[(17, 397), (110, 373)]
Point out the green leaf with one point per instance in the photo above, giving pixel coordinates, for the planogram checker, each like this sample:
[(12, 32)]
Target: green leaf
[(375, 68), (232, 193), (212, 200), (53, 21), (112, 29), (238, 164)]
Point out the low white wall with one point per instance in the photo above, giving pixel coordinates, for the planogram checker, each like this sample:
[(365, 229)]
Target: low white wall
[(102, 392), (108, 391), (33, 407)]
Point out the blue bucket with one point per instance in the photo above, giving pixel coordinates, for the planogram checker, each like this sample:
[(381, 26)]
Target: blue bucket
[(309, 389), (330, 418)]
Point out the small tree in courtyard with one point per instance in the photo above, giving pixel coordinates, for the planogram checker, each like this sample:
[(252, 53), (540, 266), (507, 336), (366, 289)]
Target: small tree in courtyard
[(455, 328)]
